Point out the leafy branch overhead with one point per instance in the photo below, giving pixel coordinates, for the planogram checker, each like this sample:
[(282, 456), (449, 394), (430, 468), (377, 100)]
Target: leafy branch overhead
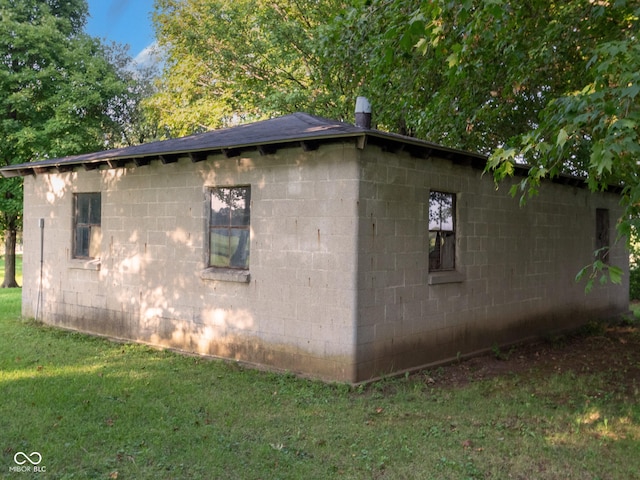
[(592, 127), (599, 270), (552, 83), (473, 74)]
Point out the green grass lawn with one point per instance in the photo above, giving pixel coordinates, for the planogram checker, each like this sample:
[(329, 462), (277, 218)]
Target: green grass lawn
[(94, 409)]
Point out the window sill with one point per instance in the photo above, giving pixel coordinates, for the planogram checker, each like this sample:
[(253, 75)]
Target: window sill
[(92, 264), (226, 275), (439, 278)]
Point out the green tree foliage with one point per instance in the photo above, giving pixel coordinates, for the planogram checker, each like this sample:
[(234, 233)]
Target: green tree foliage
[(57, 90), (230, 60), (550, 83), (591, 127), (472, 74), (132, 122)]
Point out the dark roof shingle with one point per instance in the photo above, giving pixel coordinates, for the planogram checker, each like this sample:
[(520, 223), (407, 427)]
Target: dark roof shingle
[(266, 135)]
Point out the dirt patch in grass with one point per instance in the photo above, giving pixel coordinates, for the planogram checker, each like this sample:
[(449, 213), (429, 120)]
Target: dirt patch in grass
[(612, 350)]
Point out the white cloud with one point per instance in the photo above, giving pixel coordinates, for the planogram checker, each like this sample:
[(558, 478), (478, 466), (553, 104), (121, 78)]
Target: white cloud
[(150, 56)]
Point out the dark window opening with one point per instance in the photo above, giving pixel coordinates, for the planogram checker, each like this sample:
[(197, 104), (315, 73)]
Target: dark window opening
[(87, 225), (602, 234)]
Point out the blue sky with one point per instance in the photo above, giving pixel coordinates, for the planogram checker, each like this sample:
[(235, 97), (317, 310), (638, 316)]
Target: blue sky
[(122, 21)]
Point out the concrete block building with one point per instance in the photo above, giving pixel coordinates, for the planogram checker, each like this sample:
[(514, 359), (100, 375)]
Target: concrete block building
[(309, 245)]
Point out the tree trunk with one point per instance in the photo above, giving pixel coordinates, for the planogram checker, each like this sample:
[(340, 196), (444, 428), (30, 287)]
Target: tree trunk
[(10, 260)]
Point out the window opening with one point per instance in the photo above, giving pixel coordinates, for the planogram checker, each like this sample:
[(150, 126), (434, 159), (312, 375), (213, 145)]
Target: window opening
[(602, 234), (442, 237), (87, 225), (229, 227)]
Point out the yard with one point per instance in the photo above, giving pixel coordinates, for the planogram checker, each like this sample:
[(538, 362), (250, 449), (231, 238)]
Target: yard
[(566, 408), (18, 269)]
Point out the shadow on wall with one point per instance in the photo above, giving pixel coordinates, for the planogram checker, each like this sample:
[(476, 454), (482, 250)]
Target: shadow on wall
[(146, 286)]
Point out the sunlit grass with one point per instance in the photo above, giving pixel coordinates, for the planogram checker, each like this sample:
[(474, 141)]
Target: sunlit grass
[(97, 409), (41, 371)]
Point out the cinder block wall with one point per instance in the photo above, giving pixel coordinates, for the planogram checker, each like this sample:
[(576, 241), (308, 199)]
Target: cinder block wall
[(339, 282), (296, 313), (515, 266)]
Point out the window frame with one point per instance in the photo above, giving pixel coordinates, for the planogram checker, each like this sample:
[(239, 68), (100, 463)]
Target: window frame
[(94, 228), (438, 263), (239, 224), (603, 235)]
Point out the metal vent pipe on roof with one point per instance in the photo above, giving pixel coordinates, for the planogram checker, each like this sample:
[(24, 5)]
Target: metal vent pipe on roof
[(363, 112)]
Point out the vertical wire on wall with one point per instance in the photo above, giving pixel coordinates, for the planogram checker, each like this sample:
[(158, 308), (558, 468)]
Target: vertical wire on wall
[(39, 301)]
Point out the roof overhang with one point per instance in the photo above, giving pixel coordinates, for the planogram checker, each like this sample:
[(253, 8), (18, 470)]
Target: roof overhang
[(265, 137)]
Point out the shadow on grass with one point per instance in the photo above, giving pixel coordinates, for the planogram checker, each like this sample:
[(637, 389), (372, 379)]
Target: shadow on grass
[(98, 409)]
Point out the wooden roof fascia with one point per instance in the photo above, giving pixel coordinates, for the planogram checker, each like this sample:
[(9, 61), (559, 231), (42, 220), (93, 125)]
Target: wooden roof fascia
[(578, 182), (521, 170), (19, 172), (420, 148), (468, 161), (421, 153), (24, 173), (267, 149), (306, 144), (297, 131), (392, 147)]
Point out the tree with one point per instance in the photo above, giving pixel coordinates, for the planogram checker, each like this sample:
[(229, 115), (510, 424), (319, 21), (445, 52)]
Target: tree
[(594, 132), (548, 83), (242, 59), (56, 87), (472, 74), (591, 127), (132, 121)]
